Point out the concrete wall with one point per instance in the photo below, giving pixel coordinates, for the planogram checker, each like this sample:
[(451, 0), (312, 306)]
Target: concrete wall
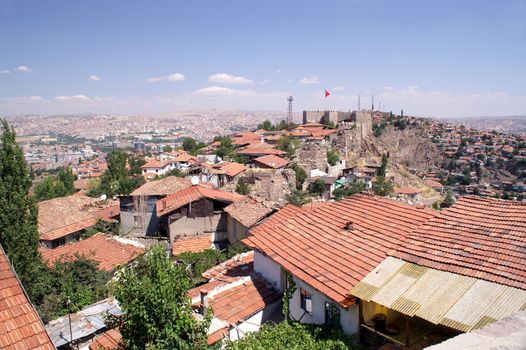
[(197, 226), (253, 323), (349, 318), (267, 268), (235, 230)]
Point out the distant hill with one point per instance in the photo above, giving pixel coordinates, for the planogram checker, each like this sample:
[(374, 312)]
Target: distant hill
[(507, 124)]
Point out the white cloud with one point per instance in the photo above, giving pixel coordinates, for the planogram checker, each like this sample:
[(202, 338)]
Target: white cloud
[(223, 91), (36, 98), (5, 71), (266, 81), (339, 88), (94, 77), (310, 80), (223, 78), (23, 69), (73, 98), (170, 77)]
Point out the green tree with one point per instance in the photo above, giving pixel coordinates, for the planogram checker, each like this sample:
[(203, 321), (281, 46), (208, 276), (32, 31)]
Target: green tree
[(448, 201), (242, 186), (167, 148), (296, 197), (135, 165), (266, 125), (288, 144), (18, 213), (383, 187), (189, 144), (318, 187), (226, 146), (287, 335), (332, 157), (56, 186), (382, 170), (158, 314), (301, 175), (117, 179)]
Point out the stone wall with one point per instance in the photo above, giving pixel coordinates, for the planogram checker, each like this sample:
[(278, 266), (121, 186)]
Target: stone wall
[(273, 184), (312, 155)]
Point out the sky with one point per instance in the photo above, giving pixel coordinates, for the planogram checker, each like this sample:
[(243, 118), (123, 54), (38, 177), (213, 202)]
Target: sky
[(440, 58)]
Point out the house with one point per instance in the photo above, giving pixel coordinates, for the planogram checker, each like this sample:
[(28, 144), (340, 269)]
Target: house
[(108, 251), (65, 219), (270, 162), (218, 174), (409, 193), (328, 250), (240, 299), (258, 150), (458, 272), (108, 340), (197, 210), (84, 326), (154, 168), (244, 214), (20, 325), (138, 215)]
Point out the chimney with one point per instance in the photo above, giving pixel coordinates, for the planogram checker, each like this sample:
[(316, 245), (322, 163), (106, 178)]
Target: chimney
[(204, 301), (348, 226)]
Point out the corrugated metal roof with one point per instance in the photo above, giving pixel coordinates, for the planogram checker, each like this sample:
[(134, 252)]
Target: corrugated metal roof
[(460, 302)]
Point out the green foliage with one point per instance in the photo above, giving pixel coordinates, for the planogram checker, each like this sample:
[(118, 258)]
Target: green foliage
[(448, 201), (318, 187), (382, 170), (343, 192), (288, 293), (288, 144), (118, 179), (226, 147), (378, 129), (135, 165), (167, 148), (104, 227), (383, 187), (286, 335), (242, 186), (94, 189), (301, 175), (78, 280), (296, 197), (53, 187), (19, 235), (241, 159), (191, 146), (330, 124), (158, 314), (332, 157), (266, 125)]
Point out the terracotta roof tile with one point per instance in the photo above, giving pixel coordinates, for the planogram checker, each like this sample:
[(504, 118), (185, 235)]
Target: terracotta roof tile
[(250, 210), (408, 190), (193, 244), (162, 187), (108, 251), (260, 149), (334, 246), (75, 213), (108, 340), (242, 301), (272, 161), (233, 168), (478, 237), (20, 326), (239, 265), (191, 194)]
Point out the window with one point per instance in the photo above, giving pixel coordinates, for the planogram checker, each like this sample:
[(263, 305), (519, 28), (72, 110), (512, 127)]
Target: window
[(332, 315), (138, 221), (306, 300)]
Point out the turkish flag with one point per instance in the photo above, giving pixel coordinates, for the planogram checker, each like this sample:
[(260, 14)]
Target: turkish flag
[(327, 93)]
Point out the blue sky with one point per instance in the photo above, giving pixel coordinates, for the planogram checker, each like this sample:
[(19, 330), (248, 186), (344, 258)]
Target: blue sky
[(437, 58)]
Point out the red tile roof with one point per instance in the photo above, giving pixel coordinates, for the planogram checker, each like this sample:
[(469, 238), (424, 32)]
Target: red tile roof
[(191, 194), (247, 138), (67, 229), (233, 168), (321, 248), (272, 161), (193, 244), (108, 340), (20, 326), (104, 249), (162, 187), (433, 183), (239, 265), (240, 302), (185, 157), (217, 336), (250, 210), (408, 190), (479, 237), (260, 149)]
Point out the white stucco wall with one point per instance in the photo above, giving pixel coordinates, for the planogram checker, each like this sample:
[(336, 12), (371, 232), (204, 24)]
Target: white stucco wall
[(268, 268), (349, 318), (253, 323)]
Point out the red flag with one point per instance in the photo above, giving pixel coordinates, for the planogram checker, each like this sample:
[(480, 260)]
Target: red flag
[(327, 93)]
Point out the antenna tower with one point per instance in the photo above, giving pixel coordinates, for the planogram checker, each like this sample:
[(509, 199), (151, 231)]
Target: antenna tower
[(290, 119)]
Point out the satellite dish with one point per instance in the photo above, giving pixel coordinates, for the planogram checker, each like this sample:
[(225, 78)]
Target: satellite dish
[(103, 197), (195, 180)]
